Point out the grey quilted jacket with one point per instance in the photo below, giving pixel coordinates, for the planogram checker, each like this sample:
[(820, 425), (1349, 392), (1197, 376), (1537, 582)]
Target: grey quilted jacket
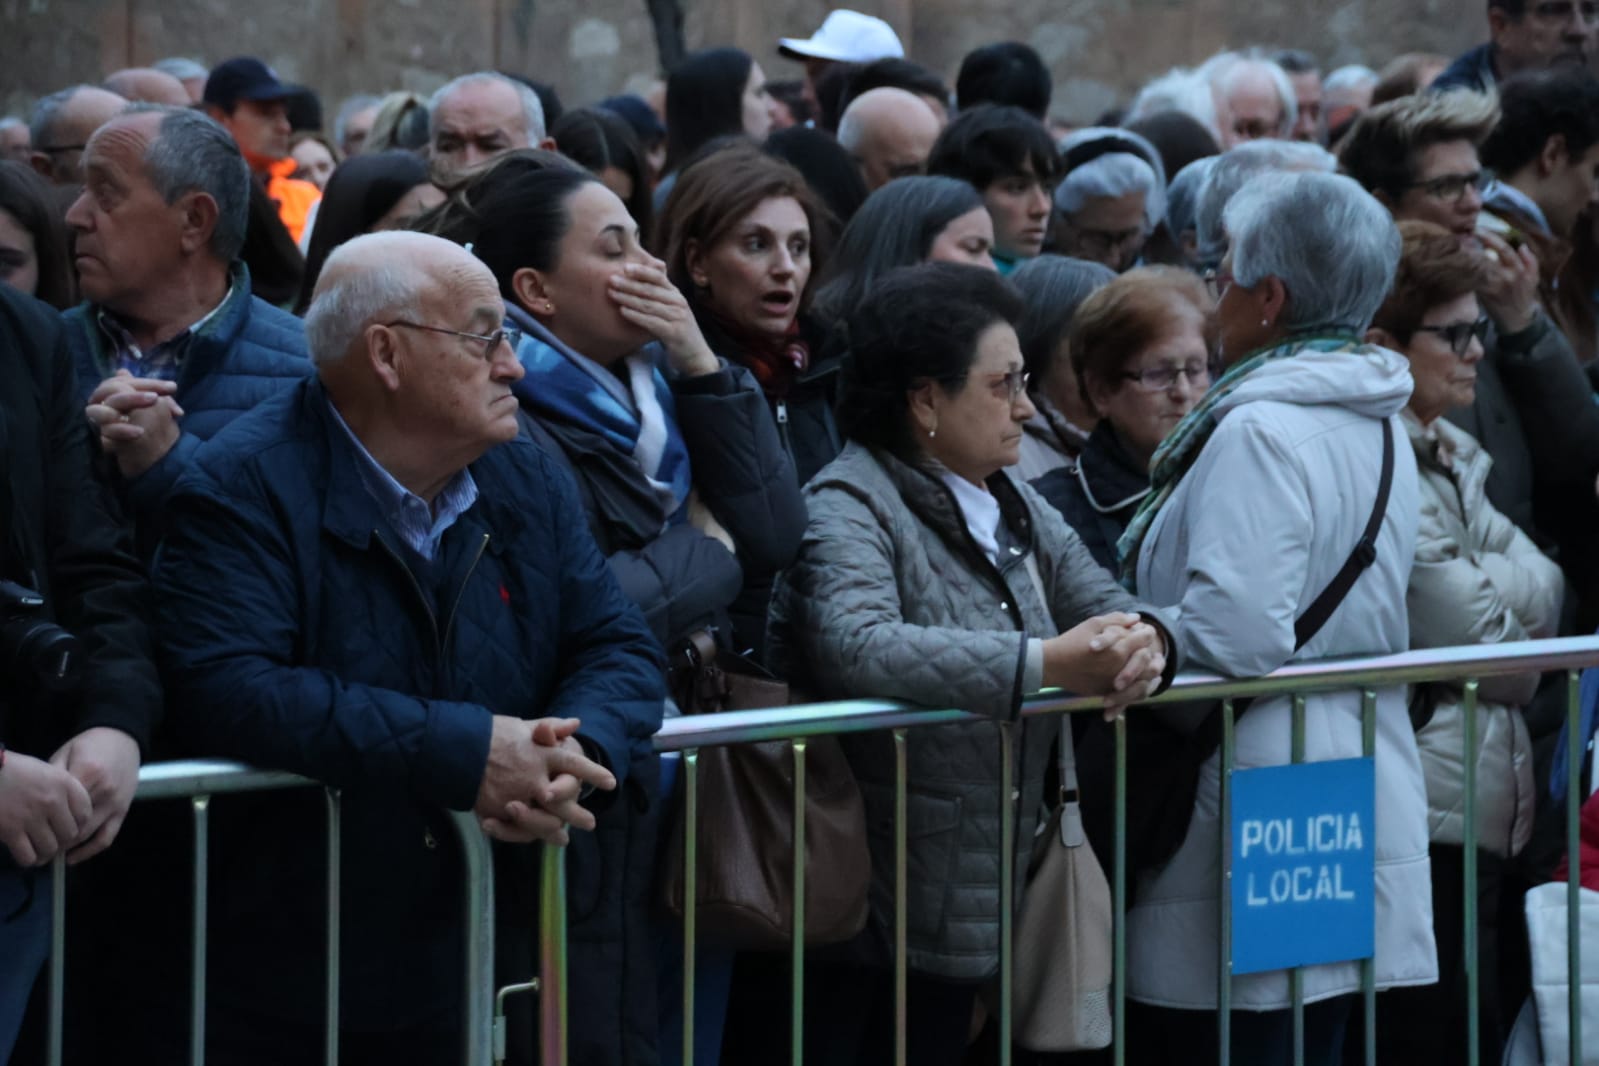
[(890, 597)]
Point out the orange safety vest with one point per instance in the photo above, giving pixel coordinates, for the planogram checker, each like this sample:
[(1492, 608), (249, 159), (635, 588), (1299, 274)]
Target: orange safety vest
[(294, 198)]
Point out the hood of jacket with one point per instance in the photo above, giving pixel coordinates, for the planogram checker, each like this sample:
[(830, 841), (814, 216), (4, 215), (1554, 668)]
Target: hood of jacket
[(1367, 379)]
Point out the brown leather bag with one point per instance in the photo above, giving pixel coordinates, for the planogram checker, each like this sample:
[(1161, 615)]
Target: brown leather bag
[(745, 868)]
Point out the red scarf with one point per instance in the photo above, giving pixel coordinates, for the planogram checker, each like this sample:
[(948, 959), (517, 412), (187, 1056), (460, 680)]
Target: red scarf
[(775, 361)]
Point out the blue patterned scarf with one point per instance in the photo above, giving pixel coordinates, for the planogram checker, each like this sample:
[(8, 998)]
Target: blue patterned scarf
[(636, 415)]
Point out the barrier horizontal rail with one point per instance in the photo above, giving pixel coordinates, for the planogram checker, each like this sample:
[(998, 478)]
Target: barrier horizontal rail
[(870, 715)]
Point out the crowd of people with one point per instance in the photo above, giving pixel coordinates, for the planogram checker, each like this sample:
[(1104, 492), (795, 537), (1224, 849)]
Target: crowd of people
[(437, 448)]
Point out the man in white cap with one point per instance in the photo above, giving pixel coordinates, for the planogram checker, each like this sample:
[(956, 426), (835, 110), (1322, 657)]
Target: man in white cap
[(845, 37)]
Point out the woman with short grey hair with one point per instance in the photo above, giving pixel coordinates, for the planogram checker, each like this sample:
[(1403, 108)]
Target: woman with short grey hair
[(1257, 503)]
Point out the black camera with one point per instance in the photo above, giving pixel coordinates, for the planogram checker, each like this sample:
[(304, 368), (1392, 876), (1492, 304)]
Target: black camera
[(33, 648)]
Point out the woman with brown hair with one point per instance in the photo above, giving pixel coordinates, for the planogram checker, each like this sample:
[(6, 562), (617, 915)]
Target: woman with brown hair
[(740, 235), (1141, 351)]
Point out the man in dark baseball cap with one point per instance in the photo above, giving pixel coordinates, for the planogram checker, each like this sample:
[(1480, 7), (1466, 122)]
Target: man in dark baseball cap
[(246, 97)]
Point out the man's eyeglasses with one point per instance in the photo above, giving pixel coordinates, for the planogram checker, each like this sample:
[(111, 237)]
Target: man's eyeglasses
[(1458, 335), (1451, 187), (491, 341), (59, 148), (1162, 378), (1565, 10), (1103, 241)]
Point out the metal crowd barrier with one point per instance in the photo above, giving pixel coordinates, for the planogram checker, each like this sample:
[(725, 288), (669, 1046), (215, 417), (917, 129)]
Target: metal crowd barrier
[(483, 1007)]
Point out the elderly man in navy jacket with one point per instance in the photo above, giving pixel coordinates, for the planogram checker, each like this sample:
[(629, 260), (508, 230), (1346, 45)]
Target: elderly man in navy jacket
[(171, 344), (371, 581)]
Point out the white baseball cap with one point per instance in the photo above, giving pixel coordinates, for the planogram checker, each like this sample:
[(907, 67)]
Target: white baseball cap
[(846, 37)]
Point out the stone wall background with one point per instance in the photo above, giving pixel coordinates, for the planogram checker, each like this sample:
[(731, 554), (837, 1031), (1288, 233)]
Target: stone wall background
[(1099, 50)]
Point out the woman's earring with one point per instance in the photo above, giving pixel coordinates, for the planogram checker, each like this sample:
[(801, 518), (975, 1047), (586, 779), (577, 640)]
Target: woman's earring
[(1265, 323), (932, 432), (549, 308)]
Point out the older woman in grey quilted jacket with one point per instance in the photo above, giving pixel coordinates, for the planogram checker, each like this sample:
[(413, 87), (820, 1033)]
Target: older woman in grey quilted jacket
[(927, 573)]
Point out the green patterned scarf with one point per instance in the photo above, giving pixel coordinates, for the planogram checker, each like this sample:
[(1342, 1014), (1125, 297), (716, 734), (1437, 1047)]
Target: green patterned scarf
[(1183, 445)]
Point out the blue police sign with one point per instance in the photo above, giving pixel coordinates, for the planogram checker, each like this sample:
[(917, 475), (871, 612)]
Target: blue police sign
[(1304, 874)]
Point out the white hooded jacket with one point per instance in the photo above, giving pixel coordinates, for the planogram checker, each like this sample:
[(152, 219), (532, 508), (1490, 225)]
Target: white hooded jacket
[(1256, 530)]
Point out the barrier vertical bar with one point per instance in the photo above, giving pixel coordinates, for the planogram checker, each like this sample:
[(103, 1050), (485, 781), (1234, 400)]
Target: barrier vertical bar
[(1468, 869), (552, 956), (478, 914), (202, 847), (901, 900), (1368, 967), (1119, 913), (691, 894), (330, 1045), (796, 958), (1296, 976), (1224, 900), (58, 958), (1007, 883), (1574, 750)]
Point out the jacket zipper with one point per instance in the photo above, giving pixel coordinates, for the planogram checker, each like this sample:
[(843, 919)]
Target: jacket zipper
[(780, 412), (449, 621), (429, 841)]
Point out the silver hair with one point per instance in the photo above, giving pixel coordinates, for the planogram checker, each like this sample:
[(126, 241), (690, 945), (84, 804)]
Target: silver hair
[(1179, 89), (1224, 70), (1114, 174), (182, 69), (349, 109), (1331, 243), (347, 301), (1354, 76), (192, 153), (1235, 167), (532, 109), (45, 112)]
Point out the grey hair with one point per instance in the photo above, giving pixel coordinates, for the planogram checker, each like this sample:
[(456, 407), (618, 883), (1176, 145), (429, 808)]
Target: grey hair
[(1113, 174), (1353, 76), (1179, 89), (1235, 167), (532, 109), (182, 69), (347, 301), (1224, 69), (348, 110), (1331, 243), (1054, 286), (42, 122), (192, 153)]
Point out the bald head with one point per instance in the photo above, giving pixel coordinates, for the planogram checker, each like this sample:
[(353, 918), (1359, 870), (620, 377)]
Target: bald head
[(62, 125), (147, 85), (889, 132)]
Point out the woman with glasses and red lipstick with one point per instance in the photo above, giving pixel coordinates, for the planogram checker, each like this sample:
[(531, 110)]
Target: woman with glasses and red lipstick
[(1141, 349), (1477, 579), (927, 573), (741, 235)]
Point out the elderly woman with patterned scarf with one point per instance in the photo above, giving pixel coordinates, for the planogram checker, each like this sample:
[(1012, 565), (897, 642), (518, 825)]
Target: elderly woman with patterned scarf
[(1258, 500)]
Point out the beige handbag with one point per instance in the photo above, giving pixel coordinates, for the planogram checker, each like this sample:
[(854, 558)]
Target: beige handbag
[(1061, 975)]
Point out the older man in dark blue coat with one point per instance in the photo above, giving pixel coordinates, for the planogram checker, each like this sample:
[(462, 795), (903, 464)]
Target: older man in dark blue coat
[(368, 580)]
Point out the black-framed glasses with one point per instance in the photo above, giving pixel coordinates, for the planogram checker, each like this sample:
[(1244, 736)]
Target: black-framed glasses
[(1162, 378), (1459, 335), (1012, 384), (58, 148), (1451, 187), (1104, 241), (491, 341)]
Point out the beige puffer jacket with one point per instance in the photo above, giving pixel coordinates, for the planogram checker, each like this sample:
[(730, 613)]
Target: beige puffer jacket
[(1477, 579)]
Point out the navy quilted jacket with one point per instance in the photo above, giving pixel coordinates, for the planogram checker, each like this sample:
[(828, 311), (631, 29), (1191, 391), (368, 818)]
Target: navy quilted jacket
[(295, 637), (249, 351)]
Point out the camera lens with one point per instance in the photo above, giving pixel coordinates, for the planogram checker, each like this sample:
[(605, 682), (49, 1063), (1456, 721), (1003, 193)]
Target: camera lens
[(45, 652)]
